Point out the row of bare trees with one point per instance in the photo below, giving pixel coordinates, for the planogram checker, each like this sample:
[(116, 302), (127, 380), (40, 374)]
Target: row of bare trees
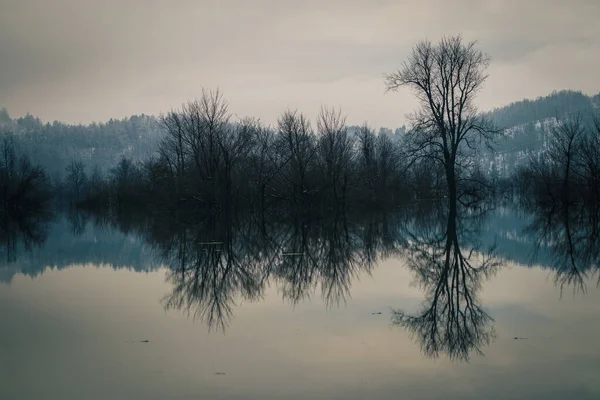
[(124, 184), (209, 161)]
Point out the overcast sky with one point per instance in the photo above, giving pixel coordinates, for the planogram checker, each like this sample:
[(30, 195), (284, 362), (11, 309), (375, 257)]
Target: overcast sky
[(90, 60)]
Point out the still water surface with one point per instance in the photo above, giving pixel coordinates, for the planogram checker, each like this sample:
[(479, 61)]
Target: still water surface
[(95, 313)]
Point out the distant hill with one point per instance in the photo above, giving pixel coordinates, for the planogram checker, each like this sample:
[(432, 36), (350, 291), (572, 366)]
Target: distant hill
[(555, 105), (527, 125), (55, 145)]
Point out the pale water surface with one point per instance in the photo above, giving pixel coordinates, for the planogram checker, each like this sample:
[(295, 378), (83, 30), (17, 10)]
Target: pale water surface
[(78, 330)]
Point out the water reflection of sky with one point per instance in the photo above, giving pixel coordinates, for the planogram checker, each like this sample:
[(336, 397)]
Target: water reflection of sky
[(76, 334), (77, 330)]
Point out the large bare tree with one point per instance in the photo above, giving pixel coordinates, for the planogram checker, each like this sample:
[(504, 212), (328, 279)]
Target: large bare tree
[(446, 78)]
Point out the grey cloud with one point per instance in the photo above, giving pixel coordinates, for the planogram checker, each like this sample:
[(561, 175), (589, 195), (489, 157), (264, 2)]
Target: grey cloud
[(68, 51)]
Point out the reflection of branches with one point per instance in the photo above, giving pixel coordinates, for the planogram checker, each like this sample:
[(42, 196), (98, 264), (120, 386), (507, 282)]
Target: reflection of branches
[(571, 232), (326, 251), (27, 229), (297, 266), (451, 319), (340, 261), (216, 260), (208, 285), (24, 231), (77, 220), (208, 272)]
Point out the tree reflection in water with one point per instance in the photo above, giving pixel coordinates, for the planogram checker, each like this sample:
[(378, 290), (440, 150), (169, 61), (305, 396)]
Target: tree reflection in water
[(209, 267), (22, 232), (450, 268), (215, 261), (571, 232), (219, 260)]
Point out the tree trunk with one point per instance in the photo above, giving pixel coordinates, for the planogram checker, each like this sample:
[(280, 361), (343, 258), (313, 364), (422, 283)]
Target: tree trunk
[(452, 196)]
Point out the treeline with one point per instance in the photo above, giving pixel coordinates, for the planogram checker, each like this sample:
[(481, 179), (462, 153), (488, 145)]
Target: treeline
[(568, 170), (209, 162), (54, 145)]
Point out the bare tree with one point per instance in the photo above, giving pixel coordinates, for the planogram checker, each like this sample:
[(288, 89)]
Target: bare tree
[(203, 146), (387, 163), (298, 143), (172, 148), (446, 78), (266, 164), (204, 122), (366, 160), (335, 151), (565, 143), (591, 161), (76, 180)]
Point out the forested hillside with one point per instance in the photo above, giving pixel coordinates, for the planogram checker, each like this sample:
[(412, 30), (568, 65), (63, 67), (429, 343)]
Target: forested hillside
[(527, 125), (55, 145)]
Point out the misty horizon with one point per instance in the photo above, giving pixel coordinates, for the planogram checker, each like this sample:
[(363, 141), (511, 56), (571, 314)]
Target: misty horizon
[(274, 119)]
